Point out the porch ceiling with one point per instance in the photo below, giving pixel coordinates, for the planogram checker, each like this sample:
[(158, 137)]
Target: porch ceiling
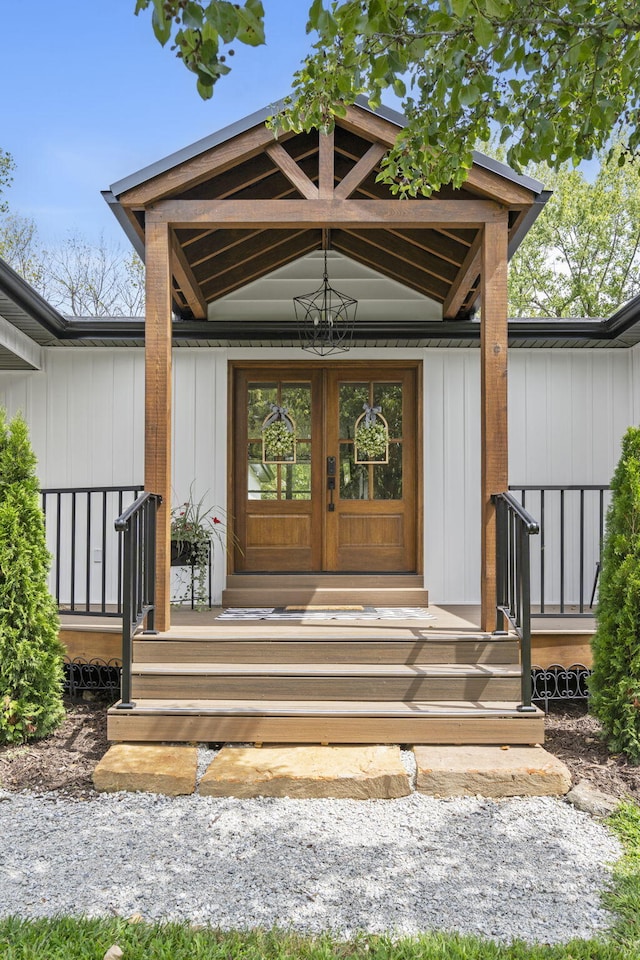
[(218, 197)]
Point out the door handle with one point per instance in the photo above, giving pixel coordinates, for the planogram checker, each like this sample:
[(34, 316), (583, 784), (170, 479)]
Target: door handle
[(331, 482)]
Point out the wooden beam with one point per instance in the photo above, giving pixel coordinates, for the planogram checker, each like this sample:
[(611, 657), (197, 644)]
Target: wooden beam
[(370, 125), (493, 402), (464, 281), (388, 266), (310, 214), (209, 164), (360, 171), (157, 435), (246, 253), (294, 174), (434, 243), (498, 188), (417, 260), (278, 256), (187, 282), (325, 166)]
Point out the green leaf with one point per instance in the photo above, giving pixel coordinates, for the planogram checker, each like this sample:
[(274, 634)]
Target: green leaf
[(205, 90), (483, 31), (193, 15), (161, 27), (460, 7), (469, 94), (497, 8), (226, 21), (250, 24), (315, 14)]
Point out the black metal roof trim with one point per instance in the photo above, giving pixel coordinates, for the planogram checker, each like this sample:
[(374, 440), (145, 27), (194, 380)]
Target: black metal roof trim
[(625, 317), (195, 149), (135, 239), (29, 300), (261, 116), (566, 331)]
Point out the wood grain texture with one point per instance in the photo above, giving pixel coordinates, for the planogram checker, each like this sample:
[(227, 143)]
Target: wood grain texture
[(326, 651), (465, 279), (307, 214), (326, 165), (92, 644), (202, 167), (157, 471), (294, 174), (549, 649), (453, 730), (277, 688), (360, 171), (493, 402), (187, 282)]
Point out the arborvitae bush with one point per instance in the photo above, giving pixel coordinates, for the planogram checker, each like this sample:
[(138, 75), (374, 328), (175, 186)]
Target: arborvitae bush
[(30, 652), (615, 684)]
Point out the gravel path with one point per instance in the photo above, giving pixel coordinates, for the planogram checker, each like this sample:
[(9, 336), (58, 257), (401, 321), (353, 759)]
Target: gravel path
[(524, 868)]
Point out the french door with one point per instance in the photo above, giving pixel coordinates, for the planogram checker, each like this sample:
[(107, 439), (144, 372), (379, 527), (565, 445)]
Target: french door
[(326, 503)]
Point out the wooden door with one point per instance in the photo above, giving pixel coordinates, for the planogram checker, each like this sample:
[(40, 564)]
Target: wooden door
[(322, 508), (372, 525)]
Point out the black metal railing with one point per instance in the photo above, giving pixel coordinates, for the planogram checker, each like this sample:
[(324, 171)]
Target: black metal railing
[(137, 529), (86, 571), (566, 560), (514, 527)]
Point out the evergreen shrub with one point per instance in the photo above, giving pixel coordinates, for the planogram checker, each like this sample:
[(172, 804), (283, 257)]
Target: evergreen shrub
[(615, 683), (31, 655)]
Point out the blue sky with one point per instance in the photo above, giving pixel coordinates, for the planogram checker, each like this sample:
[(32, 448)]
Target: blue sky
[(89, 96)]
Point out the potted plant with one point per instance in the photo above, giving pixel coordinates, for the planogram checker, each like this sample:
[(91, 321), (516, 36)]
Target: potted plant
[(194, 527)]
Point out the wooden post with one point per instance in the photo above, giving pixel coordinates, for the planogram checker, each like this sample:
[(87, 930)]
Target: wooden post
[(493, 401), (325, 166), (157, 449)]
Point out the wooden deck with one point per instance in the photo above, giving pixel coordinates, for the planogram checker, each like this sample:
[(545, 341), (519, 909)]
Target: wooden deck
[(374, 681)]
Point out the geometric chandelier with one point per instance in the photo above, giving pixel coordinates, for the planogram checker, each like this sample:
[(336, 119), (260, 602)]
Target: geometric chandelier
[(326, 319)]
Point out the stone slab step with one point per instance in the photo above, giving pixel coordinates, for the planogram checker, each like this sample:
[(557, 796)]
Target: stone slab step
[(462, 771), (150, 768), (360, 773), (327, 681)]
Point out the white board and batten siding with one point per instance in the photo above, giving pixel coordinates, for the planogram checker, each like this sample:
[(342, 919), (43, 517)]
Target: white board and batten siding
[(568, 411)]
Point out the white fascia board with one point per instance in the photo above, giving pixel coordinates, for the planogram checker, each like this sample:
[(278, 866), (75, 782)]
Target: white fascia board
[(20, 344)]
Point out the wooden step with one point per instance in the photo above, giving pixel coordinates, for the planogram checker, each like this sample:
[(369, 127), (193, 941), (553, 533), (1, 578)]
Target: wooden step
[(316, 648), (330, 681), (338, 596), (319, 721), (275, 590)]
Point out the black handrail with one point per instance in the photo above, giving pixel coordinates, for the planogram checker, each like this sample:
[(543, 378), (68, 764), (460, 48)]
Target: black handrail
[(137, 528), (86, 565), (514, 526), (568, 556)]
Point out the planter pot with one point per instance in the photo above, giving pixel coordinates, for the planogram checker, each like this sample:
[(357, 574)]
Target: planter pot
[(182, 554)]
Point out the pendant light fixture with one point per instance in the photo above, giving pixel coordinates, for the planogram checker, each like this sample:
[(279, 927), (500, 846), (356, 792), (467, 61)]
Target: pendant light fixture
[(325, 318)]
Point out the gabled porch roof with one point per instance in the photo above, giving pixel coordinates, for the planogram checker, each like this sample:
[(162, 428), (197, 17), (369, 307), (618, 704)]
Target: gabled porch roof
[(209, 190)]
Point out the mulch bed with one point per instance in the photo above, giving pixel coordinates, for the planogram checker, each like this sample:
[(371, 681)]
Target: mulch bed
[(64, 762)]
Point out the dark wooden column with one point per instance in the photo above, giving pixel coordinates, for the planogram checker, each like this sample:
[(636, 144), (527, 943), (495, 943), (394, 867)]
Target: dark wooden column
[(157, 448), (493, 401)]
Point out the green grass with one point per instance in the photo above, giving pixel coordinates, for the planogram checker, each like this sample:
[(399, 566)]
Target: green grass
[(70, 939), (623, 900)]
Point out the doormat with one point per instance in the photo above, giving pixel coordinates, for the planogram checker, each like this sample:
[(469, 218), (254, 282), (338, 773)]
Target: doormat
[(325, 613), (325, 606)]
